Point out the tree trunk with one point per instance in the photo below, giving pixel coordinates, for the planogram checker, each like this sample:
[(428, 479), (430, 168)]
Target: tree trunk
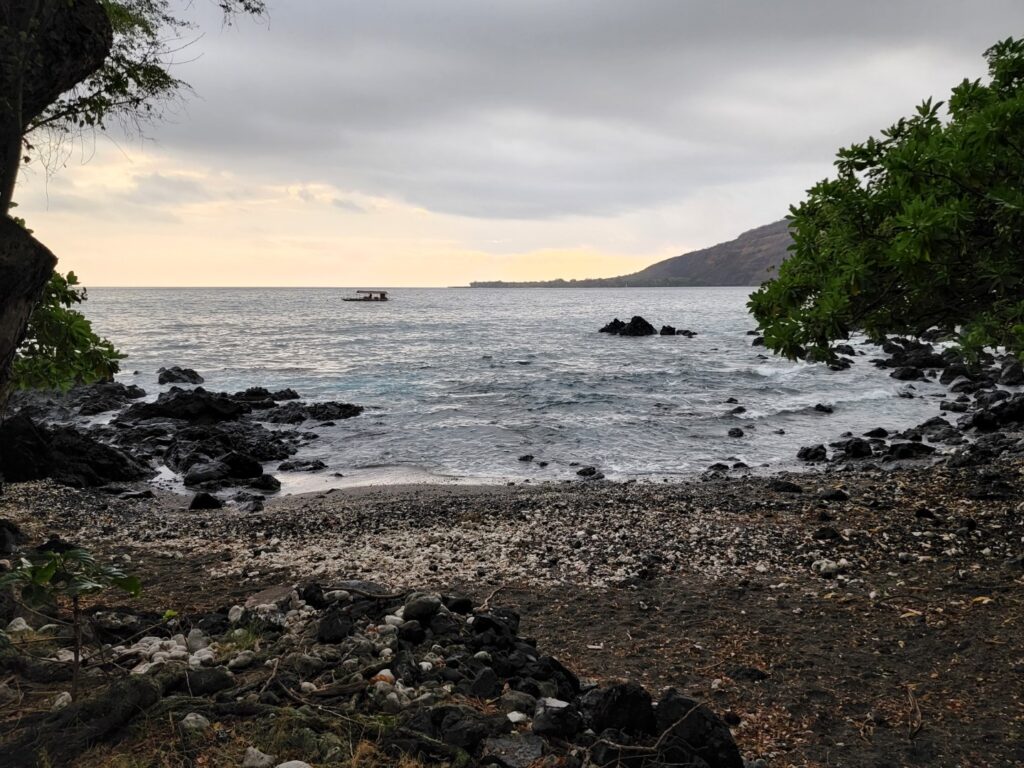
[(47, 47), (25, 266)]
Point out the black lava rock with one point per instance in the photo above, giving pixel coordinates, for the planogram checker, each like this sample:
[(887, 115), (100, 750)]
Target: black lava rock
[(812, 453), (204, 500), (178, 375)]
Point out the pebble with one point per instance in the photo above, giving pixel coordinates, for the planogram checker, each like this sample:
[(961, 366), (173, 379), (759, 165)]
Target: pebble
[(242, 660), (256, 759), (60, 701), (18, 625), (193, 725), (294, 764)]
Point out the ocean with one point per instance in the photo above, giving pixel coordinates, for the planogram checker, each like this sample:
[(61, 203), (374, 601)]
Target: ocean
[(459, 383)]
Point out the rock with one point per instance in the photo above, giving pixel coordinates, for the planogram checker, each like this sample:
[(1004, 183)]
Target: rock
[(411, 632), (637, 326), (911, 450), (735, 432), (17, 626), (265, 483), (243, 660), (825, 568), (296, 413), (587, 471), (1012, 375), (196, 406), (65, 454), (485, 685), (204, 500), (11, 537), (60, 701), (241, 465), (177, 375), (93, 399), (758, 341), (526, 457), (255, 759), (783, 486), (877, 432), (210, 472), (812, 453), (302, 465), (207, 680), (826, 533), (194, 726), (516, 751), (614, 327), (517, 701), (692, 730), (625, 707), (822, 408), (294, 764), (422, 608), (556, 719), (667, 330), (459, 604), (334, 627), (857, 448), (686, 332), (834, 494), (907, 373)]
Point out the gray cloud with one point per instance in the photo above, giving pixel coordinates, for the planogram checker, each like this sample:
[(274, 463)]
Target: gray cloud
[(537, 109)]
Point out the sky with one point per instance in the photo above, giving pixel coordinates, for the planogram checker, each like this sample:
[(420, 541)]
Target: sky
[(436, 142)]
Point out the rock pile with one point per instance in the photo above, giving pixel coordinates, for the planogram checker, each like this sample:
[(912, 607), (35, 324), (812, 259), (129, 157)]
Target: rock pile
[(459, 682)]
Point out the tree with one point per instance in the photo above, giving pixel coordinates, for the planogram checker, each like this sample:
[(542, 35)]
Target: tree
[(66, 66), (921, 228)]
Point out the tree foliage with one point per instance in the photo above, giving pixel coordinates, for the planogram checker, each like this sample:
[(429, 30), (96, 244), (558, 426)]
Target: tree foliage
[(60, 347), (135, 81), (921, 228)]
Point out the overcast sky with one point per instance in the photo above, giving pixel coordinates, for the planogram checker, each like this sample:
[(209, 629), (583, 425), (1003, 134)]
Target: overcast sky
[(434, 142)]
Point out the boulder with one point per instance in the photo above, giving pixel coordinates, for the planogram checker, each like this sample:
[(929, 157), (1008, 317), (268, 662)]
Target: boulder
[(296, 413), (812, 453), (667, 330), (1012, 375), (203, 500), (626, 707), (614, 327), (637, 326), (691, 730), (178, 375), (196, 406), (32, 452)]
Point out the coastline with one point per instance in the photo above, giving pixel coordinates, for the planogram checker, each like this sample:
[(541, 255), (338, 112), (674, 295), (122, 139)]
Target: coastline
[(808, 616)]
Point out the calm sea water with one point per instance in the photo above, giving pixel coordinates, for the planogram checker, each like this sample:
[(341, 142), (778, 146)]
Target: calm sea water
[(458, 383)]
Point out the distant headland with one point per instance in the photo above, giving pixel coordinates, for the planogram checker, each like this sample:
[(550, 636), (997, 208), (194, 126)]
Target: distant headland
[(750, 259)]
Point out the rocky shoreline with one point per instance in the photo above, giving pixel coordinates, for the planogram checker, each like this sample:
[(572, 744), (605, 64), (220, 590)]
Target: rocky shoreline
[(862, 613)]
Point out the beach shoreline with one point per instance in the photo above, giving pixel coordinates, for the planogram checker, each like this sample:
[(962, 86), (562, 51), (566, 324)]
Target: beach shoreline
[(814, 616)]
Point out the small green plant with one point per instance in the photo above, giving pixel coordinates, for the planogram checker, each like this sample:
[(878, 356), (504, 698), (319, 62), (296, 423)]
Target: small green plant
[(60, 347), (58, 578)]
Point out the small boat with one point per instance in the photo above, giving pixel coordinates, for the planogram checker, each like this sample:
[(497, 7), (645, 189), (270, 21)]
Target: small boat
[(368, 296)]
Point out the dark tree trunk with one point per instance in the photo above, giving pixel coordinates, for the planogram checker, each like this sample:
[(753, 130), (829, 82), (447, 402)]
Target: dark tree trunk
[(47, 47), (25, 266)]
